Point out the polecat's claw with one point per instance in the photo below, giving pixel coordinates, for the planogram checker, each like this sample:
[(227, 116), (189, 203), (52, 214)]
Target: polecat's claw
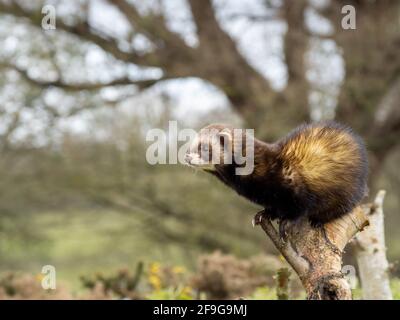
[(258, 218), (282, 229)]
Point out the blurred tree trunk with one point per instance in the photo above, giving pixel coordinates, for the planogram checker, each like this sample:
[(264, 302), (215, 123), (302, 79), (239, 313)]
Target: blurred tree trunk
[(271, 113), (371, 255)]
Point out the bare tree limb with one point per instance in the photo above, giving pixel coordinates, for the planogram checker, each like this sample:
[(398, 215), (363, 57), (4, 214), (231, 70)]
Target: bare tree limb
[(152, 26), (80, 86), (216, 59), (220, 62), (387, 114), (253, 17), (296, 40), (86, 33), (170, 49), (315, 254), (83, 30)]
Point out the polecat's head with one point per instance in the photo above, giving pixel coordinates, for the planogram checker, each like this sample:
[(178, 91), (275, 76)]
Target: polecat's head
[(212, 146)]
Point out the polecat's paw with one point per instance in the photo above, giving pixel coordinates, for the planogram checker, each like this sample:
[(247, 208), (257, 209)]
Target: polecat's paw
[(258, 218), (283, 229), (315, 223)]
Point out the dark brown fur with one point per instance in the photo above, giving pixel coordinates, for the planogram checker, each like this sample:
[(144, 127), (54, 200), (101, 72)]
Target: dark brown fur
[(319, 170)]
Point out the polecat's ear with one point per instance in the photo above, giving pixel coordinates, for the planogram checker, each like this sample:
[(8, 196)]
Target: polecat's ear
[(225, 138)]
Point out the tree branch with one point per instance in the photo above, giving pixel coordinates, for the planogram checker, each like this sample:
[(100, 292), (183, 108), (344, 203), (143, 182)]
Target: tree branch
[(170, 49), (142, 84), (387, 114), (295, 41), (253, 17), (153, 26), (315, 254), (83, 30), (298, 264), (220, 62)]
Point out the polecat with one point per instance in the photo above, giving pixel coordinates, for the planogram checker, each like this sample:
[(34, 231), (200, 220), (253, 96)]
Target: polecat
[(318, 170)]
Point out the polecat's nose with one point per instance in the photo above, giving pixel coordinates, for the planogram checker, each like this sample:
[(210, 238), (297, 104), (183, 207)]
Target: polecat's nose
[(188, 157)]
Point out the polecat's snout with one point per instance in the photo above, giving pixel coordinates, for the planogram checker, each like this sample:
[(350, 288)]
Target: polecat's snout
[(199, 154), (198, 160)]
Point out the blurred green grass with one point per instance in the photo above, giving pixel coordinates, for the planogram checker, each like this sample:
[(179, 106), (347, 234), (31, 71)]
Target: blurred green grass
[(84, 242)]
